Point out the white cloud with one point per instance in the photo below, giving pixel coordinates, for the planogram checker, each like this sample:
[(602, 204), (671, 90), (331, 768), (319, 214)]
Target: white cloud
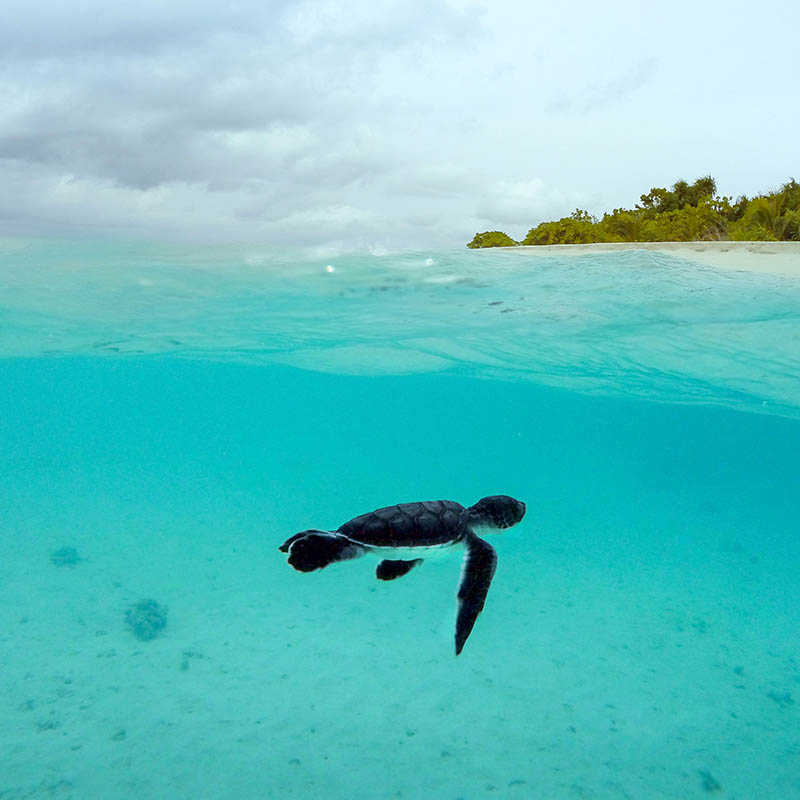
[(406, 123), (518, 202), (611, 90)]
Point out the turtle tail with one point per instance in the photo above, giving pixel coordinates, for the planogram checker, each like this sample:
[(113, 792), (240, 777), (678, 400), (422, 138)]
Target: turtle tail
[(310, 550)]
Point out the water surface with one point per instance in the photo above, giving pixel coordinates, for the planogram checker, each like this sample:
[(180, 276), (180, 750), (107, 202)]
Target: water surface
[(174, 415)]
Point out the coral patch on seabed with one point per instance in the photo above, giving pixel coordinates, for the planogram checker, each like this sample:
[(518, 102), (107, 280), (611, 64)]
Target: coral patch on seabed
[(65, 557), (146, 619)]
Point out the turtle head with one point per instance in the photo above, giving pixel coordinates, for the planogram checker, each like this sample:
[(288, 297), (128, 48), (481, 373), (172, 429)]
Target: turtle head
[(498, 512)]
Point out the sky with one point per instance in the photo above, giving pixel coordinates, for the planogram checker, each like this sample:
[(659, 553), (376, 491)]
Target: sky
[(399, 124)]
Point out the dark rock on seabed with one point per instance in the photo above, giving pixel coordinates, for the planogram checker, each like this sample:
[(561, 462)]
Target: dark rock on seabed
[(146, 619)]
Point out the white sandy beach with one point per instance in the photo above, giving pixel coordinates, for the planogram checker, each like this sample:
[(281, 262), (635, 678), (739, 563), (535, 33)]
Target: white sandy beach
[(773, 258)]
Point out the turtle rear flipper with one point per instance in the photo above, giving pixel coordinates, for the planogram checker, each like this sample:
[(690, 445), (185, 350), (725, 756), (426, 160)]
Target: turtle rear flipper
[(480, 562), (389, 568), (312, 550)]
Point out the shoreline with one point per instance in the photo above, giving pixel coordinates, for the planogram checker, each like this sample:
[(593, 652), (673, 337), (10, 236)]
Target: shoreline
[(773, 258)]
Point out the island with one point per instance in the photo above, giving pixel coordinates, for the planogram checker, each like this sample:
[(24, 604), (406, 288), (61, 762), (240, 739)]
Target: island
[(686, 213)]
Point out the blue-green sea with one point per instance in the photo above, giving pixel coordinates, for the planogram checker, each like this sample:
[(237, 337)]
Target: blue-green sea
[(170, 414)]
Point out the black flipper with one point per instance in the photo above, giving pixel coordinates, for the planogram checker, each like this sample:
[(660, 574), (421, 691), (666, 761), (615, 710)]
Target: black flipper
[(312, 550), (390, 569), (477, 572)]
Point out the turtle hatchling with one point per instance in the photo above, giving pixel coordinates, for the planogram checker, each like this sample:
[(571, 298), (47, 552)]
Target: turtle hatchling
[(403, 535)]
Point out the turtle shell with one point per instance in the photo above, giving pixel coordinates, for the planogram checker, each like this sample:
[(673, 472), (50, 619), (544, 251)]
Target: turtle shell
[(425, 524)]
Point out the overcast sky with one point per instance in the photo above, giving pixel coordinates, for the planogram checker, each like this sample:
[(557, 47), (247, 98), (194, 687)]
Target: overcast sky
[(381, 123)]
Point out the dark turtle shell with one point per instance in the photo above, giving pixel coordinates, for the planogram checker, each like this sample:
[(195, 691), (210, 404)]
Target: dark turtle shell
[(424, 524)]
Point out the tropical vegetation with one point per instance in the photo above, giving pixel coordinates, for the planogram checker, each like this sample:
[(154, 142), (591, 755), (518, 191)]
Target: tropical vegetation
[(686, 213)]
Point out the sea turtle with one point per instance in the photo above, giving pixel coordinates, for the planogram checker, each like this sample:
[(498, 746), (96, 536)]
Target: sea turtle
[(401, 535)]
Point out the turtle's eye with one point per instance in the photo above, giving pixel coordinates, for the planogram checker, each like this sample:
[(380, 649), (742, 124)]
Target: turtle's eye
[(518, 511)]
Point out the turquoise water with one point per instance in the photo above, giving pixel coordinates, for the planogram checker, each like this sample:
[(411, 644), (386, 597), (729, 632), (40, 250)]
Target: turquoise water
[(175, 415)]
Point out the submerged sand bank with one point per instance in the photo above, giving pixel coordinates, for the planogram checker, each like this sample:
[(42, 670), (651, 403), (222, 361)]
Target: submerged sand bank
[(776, 258)]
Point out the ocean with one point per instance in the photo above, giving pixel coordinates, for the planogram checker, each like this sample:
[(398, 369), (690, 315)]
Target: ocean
[(170, 415)]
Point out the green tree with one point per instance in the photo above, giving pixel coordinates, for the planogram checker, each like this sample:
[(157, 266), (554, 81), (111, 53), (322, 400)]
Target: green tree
[(683, 194), (769, 218), (687, 212), (622, 225), (732, 210), (578, 228), (492, 239), (791, 194), (687, 224), (702, 187), (653, 200)]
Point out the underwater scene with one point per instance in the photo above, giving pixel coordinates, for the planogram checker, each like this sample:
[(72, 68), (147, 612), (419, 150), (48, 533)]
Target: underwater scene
[(169, 416)]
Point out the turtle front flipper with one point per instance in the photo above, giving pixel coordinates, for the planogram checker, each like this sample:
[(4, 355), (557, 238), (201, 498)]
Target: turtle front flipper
[(389, 569), (477, 571), (312, 550)]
